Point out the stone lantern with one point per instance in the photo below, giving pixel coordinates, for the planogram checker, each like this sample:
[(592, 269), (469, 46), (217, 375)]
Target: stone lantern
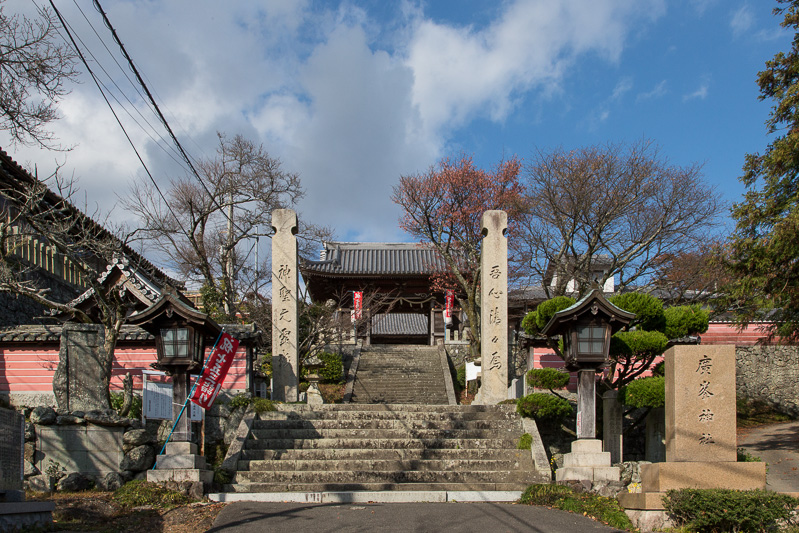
[(586, 328), (181, 334)]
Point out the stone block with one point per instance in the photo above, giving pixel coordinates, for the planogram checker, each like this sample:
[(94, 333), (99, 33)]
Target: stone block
[(494, 298), (587, 446), (180, 448), (587, 459), (660, 477), (189, 461), (88, 449), (180, 475), (642, 500), (700, 403)]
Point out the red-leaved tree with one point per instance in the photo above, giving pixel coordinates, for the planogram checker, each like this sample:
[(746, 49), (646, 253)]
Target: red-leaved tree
[(443, 207)]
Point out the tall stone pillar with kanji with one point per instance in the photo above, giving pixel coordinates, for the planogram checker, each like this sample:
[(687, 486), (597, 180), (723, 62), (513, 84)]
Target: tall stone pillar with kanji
[(285, 353), (494, 308)]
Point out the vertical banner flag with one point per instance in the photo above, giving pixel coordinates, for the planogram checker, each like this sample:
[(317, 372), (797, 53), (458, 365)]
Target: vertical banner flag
[(215, 371), (449, 301), (357, 305)]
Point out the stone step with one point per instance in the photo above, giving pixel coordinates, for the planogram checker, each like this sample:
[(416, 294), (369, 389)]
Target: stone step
[(384, 423), (350, 487), (378, 443), (387, 454), (356, 465), (395, 433), (376, 476), (458, 409), (392, 411)]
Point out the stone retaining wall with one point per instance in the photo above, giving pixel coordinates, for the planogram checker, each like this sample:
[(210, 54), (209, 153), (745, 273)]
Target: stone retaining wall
[(770, 374)]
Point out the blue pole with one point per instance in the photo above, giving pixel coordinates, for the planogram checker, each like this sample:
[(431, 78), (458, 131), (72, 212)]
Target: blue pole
[(185, 403)]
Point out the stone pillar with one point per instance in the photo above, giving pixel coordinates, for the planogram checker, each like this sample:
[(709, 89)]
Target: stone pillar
[(700, 403), (180, 391), (79, 383), (655, 449), (285, 355), (494, 308), (586, 403), (612, 425)]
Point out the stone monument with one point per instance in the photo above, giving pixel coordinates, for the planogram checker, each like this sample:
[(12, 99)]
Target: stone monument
[(78, 382), (494, 308), (285, 354), (700, 429), (15, 512)]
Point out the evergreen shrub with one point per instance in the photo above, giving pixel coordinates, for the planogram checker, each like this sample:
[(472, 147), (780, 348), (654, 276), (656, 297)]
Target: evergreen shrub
[(644, 392), (649, 314), (684, 320), (333, 371), (547, 378), (710, 510), (543, 407)]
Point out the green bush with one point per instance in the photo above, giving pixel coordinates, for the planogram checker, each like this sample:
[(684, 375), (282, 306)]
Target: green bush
[(262, 405), (648, 310), (138, 493), (543, 407), (606, 510), (546, 310), (659, 369), (240, 400), (709, 510), (525, 442), (266, 365), (684, 320), (333, 371), (547, 378), (460, 377), (638, 343), (118, 398), (746, 457), (529, 323), (644, 392)]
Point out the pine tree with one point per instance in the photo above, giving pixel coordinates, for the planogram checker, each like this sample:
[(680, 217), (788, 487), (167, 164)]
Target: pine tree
[(763, 252)]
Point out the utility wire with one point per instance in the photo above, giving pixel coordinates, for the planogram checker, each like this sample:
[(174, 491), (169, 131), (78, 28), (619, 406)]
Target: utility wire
[(94, 78), (183, 153)]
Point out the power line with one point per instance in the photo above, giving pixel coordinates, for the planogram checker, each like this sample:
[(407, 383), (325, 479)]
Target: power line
[(94, 78)]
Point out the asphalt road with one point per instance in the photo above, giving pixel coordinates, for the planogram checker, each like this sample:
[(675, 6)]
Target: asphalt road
[(777, 445), (245, 517)]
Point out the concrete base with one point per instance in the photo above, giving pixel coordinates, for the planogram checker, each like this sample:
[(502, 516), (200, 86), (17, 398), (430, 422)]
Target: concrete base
[(587, 462), (180, 475), (649, 520), (23, 515), (368, 496)]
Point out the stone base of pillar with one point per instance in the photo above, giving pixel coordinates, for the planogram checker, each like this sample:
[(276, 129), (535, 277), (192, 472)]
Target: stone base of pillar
[(181, 465), (313, 396), (587, 462)]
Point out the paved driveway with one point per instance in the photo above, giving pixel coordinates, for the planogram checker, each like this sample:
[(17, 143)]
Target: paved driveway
[(245, 517), (777, 445)]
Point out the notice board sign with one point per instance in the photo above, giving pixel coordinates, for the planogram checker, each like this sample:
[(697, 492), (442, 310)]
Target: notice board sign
[(157, 400)]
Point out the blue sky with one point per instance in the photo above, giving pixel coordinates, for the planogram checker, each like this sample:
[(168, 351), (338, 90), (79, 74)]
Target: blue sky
[(354, 94)]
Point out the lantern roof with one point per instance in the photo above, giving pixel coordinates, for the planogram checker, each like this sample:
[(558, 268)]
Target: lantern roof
[(163, 312), (593, 304)]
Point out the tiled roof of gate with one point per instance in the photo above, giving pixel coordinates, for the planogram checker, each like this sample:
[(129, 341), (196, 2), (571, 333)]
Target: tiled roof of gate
[(375, 258), (399, 324)]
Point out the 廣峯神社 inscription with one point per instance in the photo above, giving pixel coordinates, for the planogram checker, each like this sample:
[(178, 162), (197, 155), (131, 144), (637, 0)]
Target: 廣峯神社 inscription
[(700, 401)]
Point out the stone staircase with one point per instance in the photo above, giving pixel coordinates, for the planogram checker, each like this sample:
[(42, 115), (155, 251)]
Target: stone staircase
[(383, 447), (399, 374)]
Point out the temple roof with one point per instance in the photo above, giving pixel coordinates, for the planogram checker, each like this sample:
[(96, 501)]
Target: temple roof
[(399, 324), (374, 259)]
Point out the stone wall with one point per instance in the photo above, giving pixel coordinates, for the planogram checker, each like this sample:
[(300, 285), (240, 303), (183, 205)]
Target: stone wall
[(770, 374)]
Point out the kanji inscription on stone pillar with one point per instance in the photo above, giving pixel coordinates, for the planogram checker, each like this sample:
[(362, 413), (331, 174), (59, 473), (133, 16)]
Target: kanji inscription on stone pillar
[(494, 308), (700, 403), (285, 355)]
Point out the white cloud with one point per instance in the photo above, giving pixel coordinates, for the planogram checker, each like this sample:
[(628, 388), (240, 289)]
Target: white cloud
[(700, 93), (657, 92), (742, 19), (349, 101), (701, 6), (624, 86)]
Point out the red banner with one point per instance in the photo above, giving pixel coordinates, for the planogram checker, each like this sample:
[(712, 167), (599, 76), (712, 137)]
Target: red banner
[(215, 371), (449, 301), (357, 304)]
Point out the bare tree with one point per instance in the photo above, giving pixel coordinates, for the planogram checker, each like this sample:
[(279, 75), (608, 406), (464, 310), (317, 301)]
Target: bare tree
[(207, 231), (624, 202), (37, 214), (34, 66)]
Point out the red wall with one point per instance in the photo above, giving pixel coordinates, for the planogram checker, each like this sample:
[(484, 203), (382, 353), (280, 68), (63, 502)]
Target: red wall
[(30, 368)]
